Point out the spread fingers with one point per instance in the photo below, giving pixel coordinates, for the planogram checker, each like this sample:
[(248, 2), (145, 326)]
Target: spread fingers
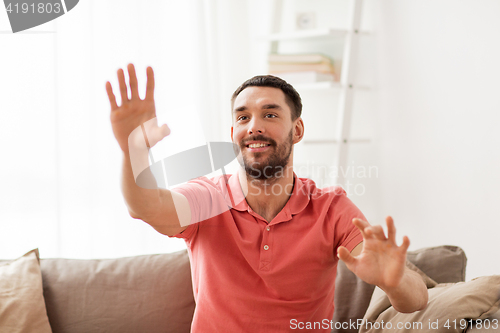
[(134, 90), (111, 96), (391, 229), (150, 85), (123, 86)]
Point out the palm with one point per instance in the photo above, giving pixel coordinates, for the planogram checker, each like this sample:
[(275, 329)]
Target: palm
[(134, 111), (128, 116), (381, 261)]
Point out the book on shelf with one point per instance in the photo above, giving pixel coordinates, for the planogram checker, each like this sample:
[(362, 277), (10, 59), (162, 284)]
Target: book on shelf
[(306, 77), (302, 68), (275, 68), (307, 58)]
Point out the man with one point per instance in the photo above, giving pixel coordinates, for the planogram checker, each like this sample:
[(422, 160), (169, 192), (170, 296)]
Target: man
[(270, 256)]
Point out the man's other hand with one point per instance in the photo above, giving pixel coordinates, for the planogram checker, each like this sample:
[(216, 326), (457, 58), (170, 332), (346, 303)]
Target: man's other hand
[(381, 262)]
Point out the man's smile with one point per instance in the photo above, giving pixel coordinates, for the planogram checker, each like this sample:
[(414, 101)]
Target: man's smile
[(258, 147)]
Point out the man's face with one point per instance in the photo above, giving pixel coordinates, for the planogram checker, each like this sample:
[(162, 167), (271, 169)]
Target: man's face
[(264, 131)]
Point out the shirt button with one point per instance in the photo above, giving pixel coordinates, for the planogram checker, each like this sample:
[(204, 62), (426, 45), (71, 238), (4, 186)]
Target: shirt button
[(266, 247), (268, 228)]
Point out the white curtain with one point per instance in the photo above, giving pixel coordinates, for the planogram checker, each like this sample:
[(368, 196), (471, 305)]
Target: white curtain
[(61, 165)]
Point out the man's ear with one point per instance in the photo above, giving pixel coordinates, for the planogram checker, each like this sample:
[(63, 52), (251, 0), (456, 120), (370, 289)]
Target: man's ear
[(232, 133), (298, 130)]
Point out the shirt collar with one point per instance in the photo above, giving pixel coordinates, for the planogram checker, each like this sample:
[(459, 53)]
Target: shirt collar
[(296, 203)]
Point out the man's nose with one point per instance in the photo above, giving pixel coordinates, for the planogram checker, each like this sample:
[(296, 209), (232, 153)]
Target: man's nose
[(255, 127)]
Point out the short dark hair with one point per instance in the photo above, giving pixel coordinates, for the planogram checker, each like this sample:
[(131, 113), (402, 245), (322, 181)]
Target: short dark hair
[(292, 97)]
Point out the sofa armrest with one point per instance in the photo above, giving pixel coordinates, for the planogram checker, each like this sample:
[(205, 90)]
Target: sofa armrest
[(491, 324)]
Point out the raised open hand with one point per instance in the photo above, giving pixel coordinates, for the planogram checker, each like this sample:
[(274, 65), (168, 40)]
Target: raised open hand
[(381, 261), (134, 112)]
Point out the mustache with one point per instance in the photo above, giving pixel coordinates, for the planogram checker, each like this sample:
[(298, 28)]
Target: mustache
[(258, 138)]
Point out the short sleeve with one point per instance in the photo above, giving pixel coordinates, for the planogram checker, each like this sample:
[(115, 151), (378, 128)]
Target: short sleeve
[(205, 199), (188, 233), (345, 232)]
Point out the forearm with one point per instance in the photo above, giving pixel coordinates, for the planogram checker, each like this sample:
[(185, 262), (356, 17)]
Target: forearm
[(142, 203), (410, 295)]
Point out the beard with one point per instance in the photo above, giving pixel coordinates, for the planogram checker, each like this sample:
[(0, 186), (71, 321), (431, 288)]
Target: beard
[(271, 168)]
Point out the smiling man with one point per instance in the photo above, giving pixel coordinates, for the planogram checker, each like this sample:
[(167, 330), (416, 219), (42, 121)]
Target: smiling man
[(264, 244), (266, 125)]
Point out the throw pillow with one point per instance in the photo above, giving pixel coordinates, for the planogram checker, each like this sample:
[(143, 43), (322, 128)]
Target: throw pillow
[(449, 308), (22, 306), (444, 264), (430, 283)]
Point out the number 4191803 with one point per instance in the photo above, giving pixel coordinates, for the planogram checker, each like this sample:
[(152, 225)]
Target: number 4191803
[(479, 323), (40, 8)]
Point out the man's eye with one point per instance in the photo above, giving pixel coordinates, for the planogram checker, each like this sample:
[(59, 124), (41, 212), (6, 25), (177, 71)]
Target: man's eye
[(241, 118), (272, 115)]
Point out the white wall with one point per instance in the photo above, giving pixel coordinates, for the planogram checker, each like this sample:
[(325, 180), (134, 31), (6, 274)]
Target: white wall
[(431, 113), (436, 138), (61, 165)]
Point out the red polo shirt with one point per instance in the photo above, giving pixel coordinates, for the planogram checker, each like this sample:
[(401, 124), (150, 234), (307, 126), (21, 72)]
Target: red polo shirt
[(253, 276)]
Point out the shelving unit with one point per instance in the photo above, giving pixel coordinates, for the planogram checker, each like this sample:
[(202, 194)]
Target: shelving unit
[(313, 33), (345, 88), (318, 86)]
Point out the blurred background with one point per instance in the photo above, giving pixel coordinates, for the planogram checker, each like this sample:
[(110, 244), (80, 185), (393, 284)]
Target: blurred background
[(425, 113)]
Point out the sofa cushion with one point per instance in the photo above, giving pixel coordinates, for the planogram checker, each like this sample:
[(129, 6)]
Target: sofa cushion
[(449, 308), (150, 293), (488, 325), (443, 264), (352, 295), (22, 309)]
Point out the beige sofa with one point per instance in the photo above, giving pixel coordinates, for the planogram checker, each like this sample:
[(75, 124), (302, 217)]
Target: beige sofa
[(153, 293)]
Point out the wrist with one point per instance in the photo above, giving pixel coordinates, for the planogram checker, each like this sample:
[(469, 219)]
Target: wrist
[(392, 289), (409, 295)]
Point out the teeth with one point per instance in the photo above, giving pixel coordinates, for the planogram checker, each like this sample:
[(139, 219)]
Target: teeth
[(257, 145)]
